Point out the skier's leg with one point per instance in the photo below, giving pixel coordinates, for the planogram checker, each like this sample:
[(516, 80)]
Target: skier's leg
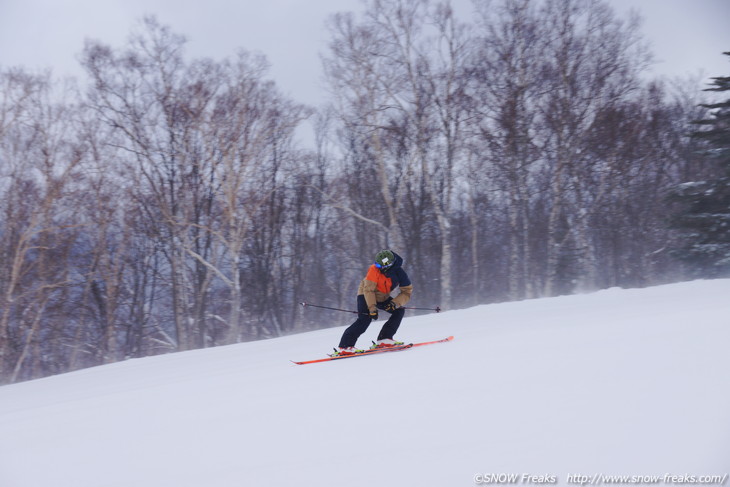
[(390, 327), (353, 332)]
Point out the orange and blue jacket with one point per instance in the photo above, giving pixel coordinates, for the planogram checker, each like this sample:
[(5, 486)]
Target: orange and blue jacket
[(378, 286)]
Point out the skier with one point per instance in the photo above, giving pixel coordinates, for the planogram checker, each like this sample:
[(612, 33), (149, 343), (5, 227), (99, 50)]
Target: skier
[(383, 277)]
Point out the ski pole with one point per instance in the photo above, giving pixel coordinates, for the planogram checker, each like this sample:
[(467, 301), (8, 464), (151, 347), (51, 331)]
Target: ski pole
[(436, 309), (327, 307)]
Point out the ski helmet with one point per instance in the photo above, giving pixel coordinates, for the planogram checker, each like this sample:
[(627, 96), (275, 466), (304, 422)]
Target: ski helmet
[(384, 260)]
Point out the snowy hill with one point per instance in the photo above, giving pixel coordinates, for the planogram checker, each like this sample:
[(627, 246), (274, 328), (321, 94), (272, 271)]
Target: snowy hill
[(619, 382)]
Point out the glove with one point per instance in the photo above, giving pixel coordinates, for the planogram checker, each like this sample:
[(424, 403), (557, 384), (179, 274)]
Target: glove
[(390, 306), (374, 314)]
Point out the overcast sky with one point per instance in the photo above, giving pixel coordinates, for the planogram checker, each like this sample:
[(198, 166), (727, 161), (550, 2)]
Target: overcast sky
[(688, 36)]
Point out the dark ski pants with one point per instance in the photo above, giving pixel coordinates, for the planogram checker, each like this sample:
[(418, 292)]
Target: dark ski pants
[(353, 332)]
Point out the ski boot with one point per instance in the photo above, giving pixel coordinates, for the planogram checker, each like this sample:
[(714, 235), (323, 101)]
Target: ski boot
[(341, 352), (386, 343)]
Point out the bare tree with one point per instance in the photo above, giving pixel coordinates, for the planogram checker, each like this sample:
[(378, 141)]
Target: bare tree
[(360, 74), (593, 61), (207, 139), (507, 84), (399, 76), (40, 156)]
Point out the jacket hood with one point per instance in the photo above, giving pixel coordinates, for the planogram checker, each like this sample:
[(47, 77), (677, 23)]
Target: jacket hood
[(396, 265)]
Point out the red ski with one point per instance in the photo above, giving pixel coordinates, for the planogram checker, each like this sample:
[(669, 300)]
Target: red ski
[(379, 350)]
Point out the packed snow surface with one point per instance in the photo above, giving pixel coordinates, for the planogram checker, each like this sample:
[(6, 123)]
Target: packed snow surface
[(619, 382)]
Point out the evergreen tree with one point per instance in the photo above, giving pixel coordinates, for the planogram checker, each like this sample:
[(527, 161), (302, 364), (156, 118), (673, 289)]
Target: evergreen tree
[(704, 220)]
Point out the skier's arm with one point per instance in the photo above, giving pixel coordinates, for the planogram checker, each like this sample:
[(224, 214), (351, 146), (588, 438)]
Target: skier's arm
[(406, 289), (404, 296), (367, 288)]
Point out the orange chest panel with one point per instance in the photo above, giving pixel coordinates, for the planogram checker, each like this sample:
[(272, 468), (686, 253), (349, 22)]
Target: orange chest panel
[(383, 284)]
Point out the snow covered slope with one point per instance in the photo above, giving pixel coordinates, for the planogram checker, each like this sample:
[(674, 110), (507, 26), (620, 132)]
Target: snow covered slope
[(620, 382)]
